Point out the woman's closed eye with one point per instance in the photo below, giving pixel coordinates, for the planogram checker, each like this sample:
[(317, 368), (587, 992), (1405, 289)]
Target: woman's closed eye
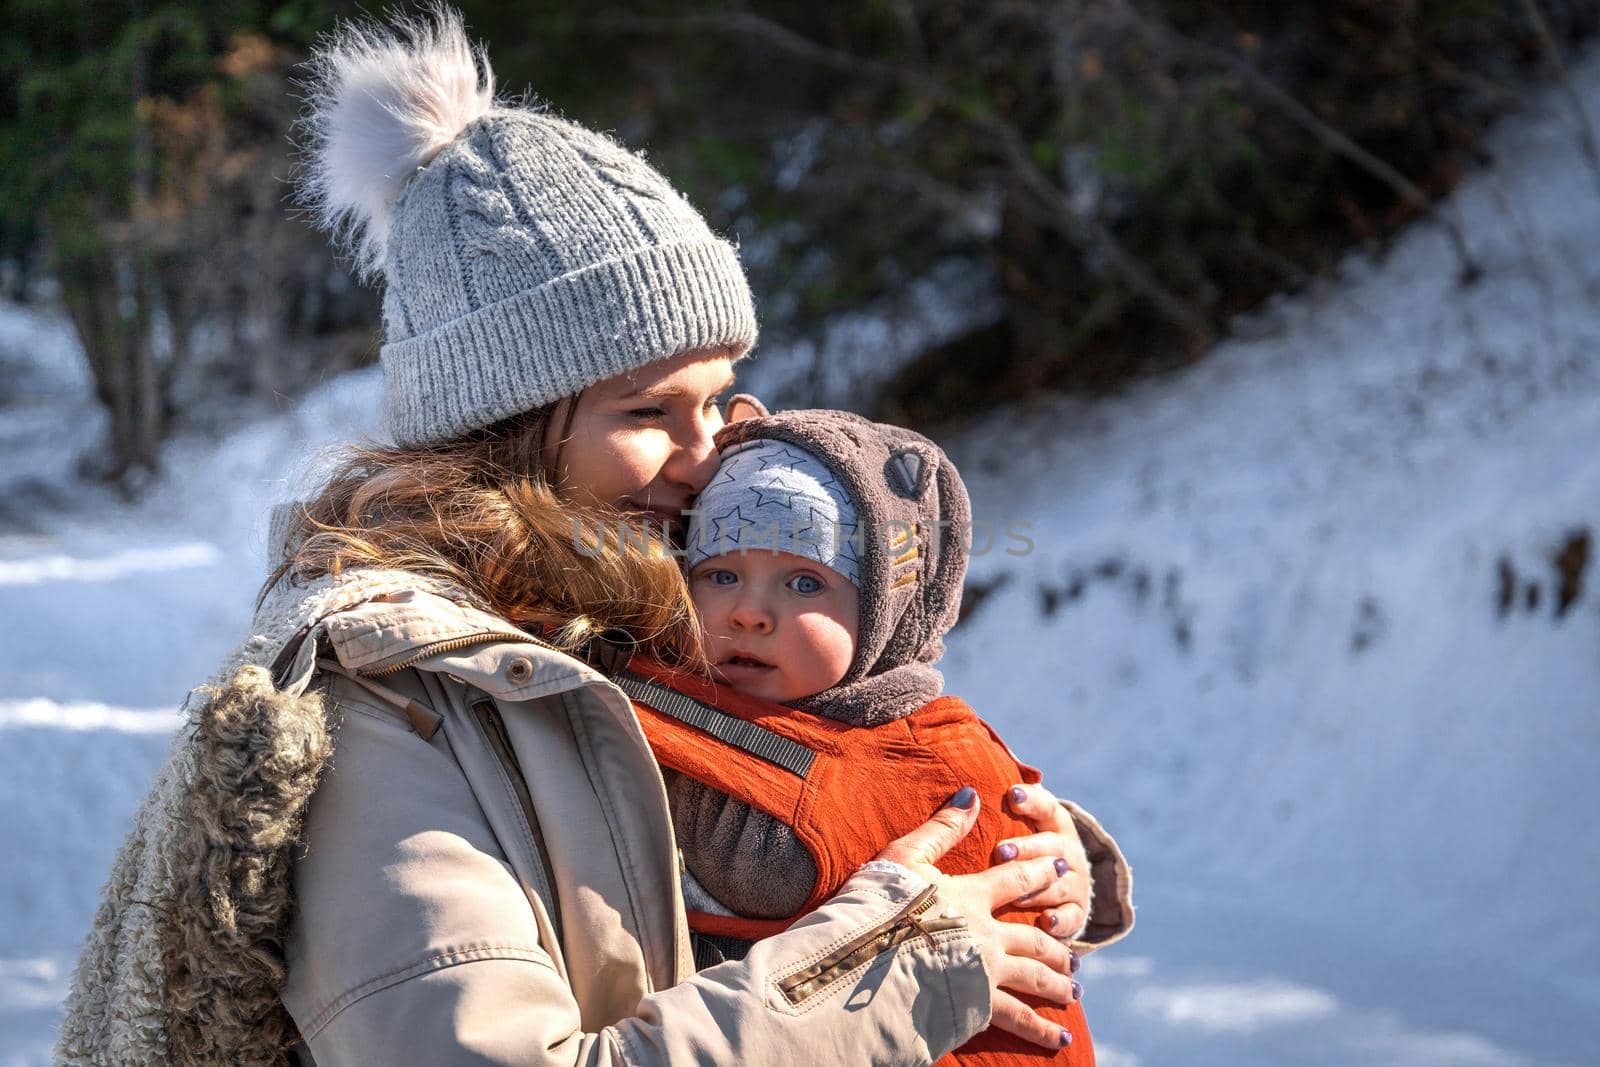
[(655, 412)]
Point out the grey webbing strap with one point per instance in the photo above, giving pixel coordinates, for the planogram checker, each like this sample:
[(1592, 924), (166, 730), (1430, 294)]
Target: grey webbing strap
[(730, 729), (712, 949)]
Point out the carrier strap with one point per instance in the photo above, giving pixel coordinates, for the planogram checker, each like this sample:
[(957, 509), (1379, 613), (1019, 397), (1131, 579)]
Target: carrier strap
[(729, 729)]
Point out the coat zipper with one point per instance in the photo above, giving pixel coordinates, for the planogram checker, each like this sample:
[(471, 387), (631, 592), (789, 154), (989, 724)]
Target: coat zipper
[(450, 644), (869, 945), (495, 728)]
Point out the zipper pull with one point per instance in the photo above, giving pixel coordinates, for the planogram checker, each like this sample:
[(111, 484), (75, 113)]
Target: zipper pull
[(424, 720), (870, 944)]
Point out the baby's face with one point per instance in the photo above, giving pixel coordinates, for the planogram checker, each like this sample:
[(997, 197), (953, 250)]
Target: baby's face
[(778, 626)]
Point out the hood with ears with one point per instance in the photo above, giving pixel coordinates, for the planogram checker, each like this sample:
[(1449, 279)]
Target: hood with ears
[(914, 522)]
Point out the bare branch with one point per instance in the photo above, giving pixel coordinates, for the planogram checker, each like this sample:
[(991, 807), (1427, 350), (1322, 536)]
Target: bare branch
[(775, 35), (1050, 204), (1552, 52), (1293, 275), (1334, 139), (905, 14)]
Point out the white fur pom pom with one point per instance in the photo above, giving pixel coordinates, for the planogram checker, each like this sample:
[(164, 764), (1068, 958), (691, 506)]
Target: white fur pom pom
[(382, 103)]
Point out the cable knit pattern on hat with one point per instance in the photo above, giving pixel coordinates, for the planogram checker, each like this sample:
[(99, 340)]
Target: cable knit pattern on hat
[(524, 258)]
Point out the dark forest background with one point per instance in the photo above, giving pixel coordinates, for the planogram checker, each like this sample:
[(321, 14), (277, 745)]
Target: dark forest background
[(1129, 175)]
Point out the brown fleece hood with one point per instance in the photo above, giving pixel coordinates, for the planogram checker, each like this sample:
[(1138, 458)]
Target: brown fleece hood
[(914, 516)]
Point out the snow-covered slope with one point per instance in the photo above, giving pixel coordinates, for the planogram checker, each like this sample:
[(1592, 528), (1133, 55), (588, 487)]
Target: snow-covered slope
[(1293, 623), (1262, 631), (108, 615)]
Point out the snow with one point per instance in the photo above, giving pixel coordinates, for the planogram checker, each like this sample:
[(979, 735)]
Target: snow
[(87, 715), (859, 352), (1263, 612), (1290, 622), (59, 568)]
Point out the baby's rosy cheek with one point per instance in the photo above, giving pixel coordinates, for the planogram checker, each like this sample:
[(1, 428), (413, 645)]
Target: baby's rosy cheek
[(712, 618), (705, 611)]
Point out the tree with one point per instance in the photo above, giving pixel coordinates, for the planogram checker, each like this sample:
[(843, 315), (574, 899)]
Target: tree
[(148, 154), (1134, 174), (1130, 174)]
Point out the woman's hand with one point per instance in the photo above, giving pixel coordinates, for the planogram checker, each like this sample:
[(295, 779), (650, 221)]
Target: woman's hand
[(1017, 957), (1064, 905)]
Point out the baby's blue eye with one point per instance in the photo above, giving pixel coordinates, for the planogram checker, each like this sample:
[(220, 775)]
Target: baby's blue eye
[(721, 577), (805, 583)]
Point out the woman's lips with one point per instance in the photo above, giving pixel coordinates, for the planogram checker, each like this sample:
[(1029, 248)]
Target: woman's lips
[(658, 517)]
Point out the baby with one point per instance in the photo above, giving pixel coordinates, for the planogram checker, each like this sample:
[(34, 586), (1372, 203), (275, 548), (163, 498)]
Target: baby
[(826, 560)]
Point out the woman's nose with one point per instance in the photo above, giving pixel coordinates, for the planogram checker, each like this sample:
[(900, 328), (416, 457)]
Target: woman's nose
[(694, 458)]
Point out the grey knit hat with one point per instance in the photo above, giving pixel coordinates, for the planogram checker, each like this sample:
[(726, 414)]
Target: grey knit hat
[(523, 257)]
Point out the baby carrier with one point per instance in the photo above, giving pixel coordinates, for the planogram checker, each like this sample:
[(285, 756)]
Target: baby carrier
[(846, 791)]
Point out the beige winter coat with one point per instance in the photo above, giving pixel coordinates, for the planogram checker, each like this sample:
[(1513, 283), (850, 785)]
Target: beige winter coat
[(485, 873)]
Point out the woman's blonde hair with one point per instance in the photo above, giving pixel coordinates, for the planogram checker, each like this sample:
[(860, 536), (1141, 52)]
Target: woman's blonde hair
[(480, 512)]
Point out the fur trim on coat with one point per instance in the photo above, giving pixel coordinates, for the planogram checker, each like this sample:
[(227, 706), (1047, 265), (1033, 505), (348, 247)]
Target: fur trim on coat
[(185, 960)]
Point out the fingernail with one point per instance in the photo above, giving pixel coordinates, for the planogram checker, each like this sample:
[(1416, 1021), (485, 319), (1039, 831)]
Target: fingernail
[(1066, 1038), (1076, 962), (1018, 794), (1062, 868), (1054, 922), (964, 797), (1077, 990), (1006, 851)]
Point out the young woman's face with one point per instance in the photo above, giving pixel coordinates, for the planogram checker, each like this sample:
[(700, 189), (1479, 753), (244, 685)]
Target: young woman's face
[(778, 626), (641, 441)]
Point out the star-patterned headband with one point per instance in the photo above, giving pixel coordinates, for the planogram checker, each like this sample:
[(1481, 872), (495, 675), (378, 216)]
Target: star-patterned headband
[(776, 496)]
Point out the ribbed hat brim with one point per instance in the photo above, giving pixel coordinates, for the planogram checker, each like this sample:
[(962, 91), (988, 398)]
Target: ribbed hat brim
[(565, 335)]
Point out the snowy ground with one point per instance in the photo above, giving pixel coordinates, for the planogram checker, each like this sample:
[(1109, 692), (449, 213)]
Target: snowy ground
[(1260, 632)]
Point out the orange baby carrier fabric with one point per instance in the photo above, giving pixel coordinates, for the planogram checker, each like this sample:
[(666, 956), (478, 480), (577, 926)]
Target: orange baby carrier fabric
[(859, 789)]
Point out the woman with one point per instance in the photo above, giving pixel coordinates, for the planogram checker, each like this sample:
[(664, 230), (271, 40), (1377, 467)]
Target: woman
[(402, 830)]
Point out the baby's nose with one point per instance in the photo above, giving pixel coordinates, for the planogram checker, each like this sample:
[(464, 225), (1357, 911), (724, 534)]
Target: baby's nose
[(751, 616)]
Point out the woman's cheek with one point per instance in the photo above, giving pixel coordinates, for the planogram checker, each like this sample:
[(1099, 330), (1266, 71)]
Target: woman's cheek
[(641, 454), (612, 477)]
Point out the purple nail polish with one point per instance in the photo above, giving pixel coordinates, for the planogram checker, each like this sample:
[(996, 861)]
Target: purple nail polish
[(1076, 962), (1018, 795), (1066, 1038), (1077, 990), (1062, 868), (1006, 851), (1054, 922), (964, 798)]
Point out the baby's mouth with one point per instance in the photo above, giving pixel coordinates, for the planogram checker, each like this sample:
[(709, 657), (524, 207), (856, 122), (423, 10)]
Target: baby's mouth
[(743, 661)]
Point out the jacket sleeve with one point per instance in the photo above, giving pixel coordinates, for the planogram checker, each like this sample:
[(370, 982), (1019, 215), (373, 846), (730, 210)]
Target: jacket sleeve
[(413, 943), (1110, 882)]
